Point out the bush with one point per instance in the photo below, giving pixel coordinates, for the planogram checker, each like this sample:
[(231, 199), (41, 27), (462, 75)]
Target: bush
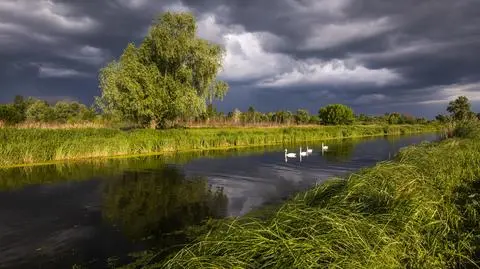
[(40, 111), (9, 115), (302, 116), (314, 120), (72, 112), (468, 129), (336, 114)]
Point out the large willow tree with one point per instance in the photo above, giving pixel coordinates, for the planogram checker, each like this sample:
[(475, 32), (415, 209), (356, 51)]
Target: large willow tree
[(172, 74)]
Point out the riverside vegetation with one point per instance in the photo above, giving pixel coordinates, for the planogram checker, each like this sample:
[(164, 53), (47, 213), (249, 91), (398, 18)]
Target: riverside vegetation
[(420, 210), (15, 178), (27, 146)]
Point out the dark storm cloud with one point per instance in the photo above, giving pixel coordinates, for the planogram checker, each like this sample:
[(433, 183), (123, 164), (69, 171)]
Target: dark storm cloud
[(427, 42), (55, 48)]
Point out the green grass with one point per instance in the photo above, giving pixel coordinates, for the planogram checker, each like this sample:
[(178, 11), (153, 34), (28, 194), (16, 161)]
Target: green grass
[(30, 146), (420, 210)]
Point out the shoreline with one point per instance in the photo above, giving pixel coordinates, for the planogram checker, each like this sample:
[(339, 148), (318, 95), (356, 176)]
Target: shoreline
[(14, 177), (220, 141)]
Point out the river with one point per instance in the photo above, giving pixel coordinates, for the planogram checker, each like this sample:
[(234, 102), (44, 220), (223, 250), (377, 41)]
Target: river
[(93, 213)]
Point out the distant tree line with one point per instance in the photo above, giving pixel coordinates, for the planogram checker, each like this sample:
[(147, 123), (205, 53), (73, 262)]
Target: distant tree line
[(334, 114), (36, 110)]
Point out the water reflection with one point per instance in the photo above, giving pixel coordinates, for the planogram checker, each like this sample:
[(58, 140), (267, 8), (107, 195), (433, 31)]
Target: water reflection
[(339, 152), (87, 222), (156, 203)]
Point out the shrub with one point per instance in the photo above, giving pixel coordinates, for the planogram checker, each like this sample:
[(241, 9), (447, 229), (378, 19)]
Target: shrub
[(336, 114), (40, 111), (468, 129), (9, 115)]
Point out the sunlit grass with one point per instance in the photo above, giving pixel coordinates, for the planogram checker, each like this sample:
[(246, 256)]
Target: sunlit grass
[(56, 125), (25, 146)]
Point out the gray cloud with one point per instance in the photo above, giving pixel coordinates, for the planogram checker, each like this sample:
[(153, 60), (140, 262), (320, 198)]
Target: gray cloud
[(374, 55)]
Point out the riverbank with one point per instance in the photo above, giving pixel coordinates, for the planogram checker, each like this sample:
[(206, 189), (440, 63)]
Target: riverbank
[(418, 211), (20, 176), (31, 146)]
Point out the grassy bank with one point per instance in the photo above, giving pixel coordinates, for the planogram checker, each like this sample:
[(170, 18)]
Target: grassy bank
[(420, 210), (27, 146)]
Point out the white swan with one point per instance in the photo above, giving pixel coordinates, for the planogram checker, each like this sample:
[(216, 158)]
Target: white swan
[(324, 147), (290, 155), (302, 153), (309, 150)]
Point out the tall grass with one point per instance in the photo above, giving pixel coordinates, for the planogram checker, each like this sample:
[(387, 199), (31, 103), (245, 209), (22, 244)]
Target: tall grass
[(56, 125), (420, 210), (26, 146)]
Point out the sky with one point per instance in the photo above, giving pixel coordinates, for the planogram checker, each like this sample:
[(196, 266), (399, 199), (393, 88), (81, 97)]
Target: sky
[(378, 56)]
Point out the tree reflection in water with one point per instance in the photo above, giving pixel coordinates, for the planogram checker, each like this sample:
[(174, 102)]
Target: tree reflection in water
[(161, 204), (341, 151)]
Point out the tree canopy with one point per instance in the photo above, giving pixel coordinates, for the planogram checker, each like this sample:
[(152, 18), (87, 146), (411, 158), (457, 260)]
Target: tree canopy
[(336, 114), (460, 109), (39, 110), (9, 115), (171, 74), (302, 116)]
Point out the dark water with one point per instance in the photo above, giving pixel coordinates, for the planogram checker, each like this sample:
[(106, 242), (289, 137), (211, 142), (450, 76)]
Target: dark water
[(56, 216)]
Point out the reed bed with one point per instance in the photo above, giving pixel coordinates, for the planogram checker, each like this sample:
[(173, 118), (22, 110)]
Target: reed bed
[(420, 210), (29, 146), (230, 124), (56, 125)]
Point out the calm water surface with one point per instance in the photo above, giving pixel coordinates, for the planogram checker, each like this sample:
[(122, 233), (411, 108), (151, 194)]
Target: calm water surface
[(59, 215)]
